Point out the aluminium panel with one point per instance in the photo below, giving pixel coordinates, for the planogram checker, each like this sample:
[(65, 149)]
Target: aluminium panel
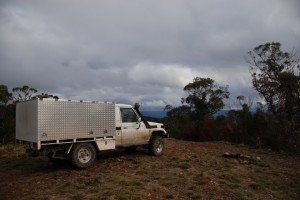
[(62, 119), (27, 121)]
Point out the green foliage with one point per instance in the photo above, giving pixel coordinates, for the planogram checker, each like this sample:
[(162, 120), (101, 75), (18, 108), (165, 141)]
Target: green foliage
[(7, 123), (8, 109), (192, 121), (46, 95), (205, 97), (177, 119), (242, 125), (23, 93), (7, 116), (5, 96), (276, 78)]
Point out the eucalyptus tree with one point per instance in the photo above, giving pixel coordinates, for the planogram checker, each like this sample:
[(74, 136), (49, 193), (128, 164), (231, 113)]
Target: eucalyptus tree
[(205, 97), (275, 75)]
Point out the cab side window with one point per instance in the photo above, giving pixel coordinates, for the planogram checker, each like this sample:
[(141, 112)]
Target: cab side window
[(128, 115)]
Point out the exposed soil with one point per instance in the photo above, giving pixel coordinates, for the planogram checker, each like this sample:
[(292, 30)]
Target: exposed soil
[(187, 170)]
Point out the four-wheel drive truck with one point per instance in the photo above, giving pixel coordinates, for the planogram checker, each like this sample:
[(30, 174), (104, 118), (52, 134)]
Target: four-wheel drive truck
[(77, 130)]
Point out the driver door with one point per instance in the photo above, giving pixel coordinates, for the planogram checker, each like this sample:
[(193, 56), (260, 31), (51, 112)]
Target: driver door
[(130, 126)]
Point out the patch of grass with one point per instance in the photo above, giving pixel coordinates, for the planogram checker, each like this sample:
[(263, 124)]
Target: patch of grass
[(260, 163), (228, 165), (192, 187), (240, 193), (290, 188), (255, 186), (262, 180), (135, 183), (80, 187), (68, 186), (11, 151), (175, 162), (193, 195), (200, 179), (126, 194), (173, 179), (169, 196), (106, 193), (229, 178), (78, 197), (186, 171), (184, 165), (94, 191)]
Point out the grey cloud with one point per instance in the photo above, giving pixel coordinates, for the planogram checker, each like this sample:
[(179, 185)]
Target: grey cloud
[(137, 50)]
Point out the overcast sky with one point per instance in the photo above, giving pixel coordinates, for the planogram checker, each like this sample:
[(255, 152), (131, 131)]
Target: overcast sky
[(138, 50)]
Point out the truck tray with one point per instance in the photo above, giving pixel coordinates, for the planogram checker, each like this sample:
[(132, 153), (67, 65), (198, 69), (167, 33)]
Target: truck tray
[(47, 121)]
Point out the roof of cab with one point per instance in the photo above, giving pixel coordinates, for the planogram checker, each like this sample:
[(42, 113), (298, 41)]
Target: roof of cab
[(124, 105)]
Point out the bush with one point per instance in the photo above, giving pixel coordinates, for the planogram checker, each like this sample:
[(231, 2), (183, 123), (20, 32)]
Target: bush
[(7, 124)]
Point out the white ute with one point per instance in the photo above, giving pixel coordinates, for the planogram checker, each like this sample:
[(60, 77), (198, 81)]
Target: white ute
[(76, 130)]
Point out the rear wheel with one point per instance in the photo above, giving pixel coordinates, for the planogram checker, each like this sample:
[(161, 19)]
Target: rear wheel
[(83, 155), (157, 145)]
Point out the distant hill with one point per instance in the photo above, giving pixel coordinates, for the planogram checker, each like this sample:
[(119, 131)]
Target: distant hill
[(161, 114), (221, 112), (154, 114)]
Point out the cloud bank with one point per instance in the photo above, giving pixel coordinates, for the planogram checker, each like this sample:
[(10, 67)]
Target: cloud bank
[(137, 50)]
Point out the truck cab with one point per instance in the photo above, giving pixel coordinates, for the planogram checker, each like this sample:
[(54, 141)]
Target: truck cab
[(132, 129)]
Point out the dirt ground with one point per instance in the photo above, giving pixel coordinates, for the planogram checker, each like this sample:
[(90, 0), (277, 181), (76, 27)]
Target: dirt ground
[(187, 170)]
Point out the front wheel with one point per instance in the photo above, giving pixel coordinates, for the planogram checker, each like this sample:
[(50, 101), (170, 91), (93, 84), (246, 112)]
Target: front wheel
[(83, 155), (157, 146)]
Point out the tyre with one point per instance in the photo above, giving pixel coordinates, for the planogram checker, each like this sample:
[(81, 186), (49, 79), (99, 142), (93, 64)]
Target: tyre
[(83, 155), (157, 146)]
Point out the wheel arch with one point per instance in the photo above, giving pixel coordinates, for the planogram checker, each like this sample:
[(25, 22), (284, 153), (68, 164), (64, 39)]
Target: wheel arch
[(159, 133), (71, 146)]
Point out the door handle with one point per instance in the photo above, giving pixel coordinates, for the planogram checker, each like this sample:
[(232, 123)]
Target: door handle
[(139, 123), (124, 127)]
